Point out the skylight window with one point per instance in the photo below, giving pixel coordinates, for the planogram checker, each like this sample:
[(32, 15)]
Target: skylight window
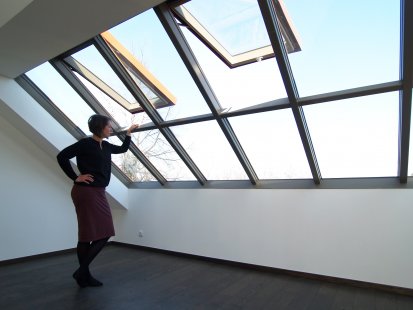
[(234, 29), (207, 145), (337, 111), (272, 144), (61, 94), (158, 94), (342, 52), (145, 38), (356, 137)]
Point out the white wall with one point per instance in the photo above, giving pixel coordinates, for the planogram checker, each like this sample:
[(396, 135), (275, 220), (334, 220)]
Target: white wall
[(362, 235), (36, 213)]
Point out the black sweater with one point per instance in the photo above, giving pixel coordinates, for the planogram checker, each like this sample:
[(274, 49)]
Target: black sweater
[(91, 159)]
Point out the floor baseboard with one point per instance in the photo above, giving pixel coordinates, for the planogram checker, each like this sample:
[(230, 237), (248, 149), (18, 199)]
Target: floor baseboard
[(355, 283), (36, 256)]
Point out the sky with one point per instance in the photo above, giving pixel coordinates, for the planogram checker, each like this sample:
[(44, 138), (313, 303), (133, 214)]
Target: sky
[(345, 44)]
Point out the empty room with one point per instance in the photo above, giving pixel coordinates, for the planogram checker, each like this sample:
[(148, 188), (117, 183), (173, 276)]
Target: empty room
[(205, 154)]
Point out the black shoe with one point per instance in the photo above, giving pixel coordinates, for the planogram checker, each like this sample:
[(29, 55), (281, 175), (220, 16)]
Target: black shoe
[(81, 280), (91, 281)]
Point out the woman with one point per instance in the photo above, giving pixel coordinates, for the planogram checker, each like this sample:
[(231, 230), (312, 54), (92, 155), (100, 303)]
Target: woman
[(95, 225)]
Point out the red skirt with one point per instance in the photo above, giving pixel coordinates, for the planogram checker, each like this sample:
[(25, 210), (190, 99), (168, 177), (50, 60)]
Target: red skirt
[(94, 217)]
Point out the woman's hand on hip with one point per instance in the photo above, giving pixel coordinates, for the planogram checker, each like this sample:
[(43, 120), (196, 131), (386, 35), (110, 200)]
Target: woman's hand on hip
[(84, 178)]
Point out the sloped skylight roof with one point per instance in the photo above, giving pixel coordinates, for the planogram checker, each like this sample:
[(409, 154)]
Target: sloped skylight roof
[(336, 109)]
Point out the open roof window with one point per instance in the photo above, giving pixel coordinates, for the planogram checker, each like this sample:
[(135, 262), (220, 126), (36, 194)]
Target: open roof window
[(157, 94), (234, 29)]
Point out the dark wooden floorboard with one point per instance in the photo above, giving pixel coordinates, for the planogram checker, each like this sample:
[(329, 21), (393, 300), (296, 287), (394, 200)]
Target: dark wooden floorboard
[(344, 298), (306, 295), (324, 298), (143, 279), (404, 303), (364, 299), (384, 301)]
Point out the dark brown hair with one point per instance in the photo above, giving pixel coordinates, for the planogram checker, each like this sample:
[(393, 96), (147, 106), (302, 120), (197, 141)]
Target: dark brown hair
[(97, 123)]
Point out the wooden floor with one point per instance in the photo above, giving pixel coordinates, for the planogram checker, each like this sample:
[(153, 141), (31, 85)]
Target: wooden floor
[(142, 279)]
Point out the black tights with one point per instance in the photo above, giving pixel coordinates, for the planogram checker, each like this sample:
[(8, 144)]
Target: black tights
[(86, 253)]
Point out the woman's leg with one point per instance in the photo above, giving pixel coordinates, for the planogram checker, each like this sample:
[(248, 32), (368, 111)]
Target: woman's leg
[(82, 250), (86, 254), (94, 249)]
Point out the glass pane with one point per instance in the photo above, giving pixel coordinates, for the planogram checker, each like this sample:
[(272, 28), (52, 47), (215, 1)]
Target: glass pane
[(272, 144), (210, 150), (356, 137), (145, 38), (118, 113), (62, 95), (94, 62), (160, 153), (130, 165), (345, 44), (410, 166), (237, 25), (150, 95), (242, 86)]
